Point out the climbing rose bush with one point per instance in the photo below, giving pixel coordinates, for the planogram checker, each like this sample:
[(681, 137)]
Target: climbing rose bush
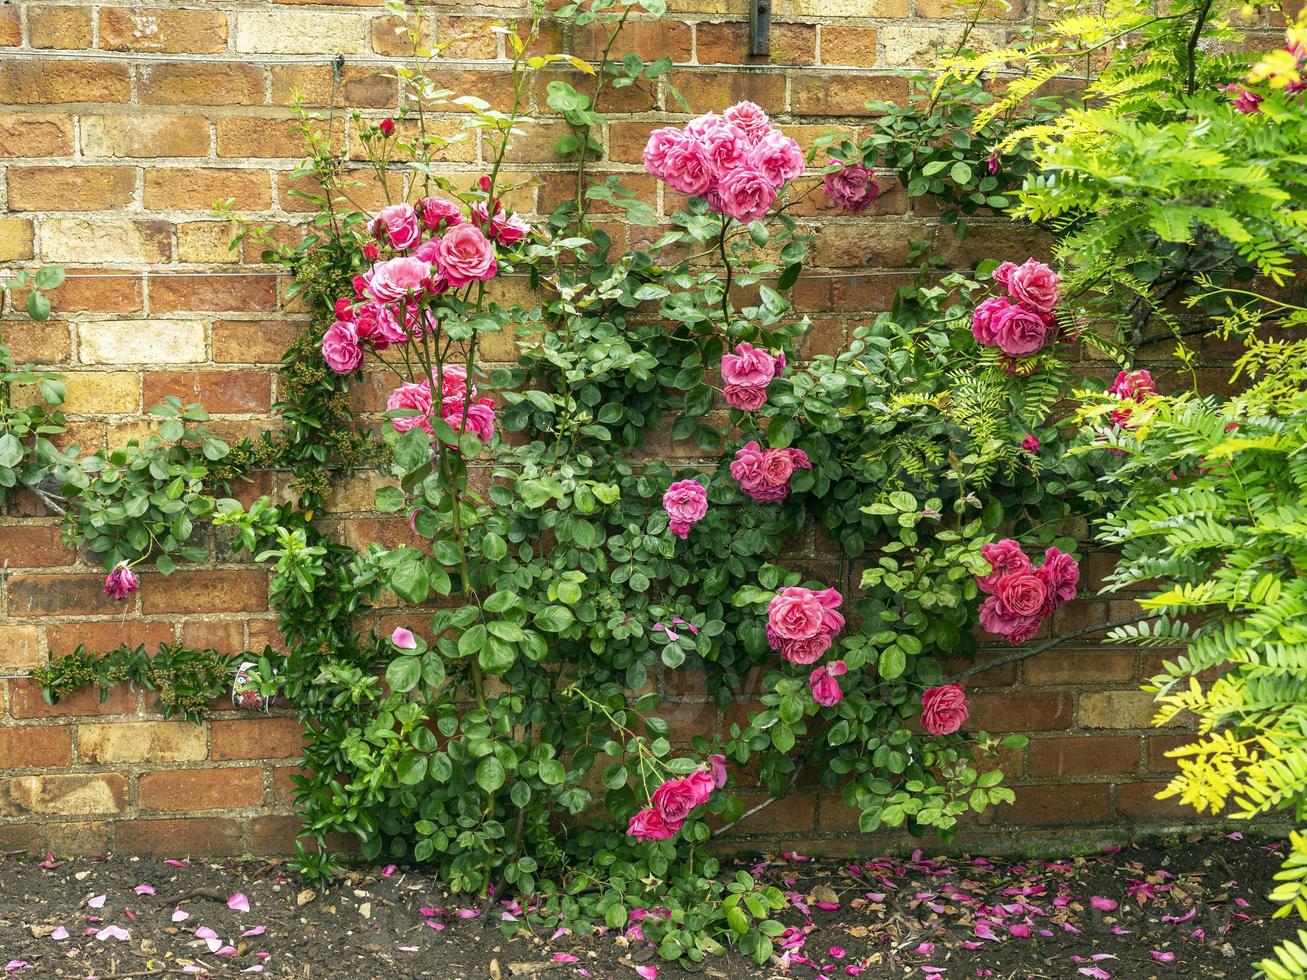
[(1020, 596)]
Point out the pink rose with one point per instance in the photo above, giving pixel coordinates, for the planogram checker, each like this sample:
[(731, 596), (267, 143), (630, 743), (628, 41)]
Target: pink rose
[(758, 471), (398, 224), (1019, 331), (480, 416), (504, 228), (777, 156), (718, 767), (1030, 444), (1061, 575), (747, 398), (1243, 100), (750, 118), (389, 281), (686, 503), (997, 618), (777, 466), (726, 145), (677, 798), (748, 365), (1025, 594), (747, 194), (340, 348), (831, 618), (416, 397), (453, 381), (376, 324), (437, 214), (121, 582), (344, 309), (1033, 285), (943, 709), (650, 825), (466, 255), (1003, 274), (806, 651), (686, 167), (795, 613), (1003, 556), (428, 251), (656, 149), (851, 187), (824, 685), (982, 320), (1132, 386)]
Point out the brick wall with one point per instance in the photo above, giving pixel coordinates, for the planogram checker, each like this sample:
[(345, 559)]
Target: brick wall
[(120, 125)]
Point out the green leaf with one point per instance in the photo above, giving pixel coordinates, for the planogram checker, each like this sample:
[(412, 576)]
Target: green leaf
[(490, 774), (403, 674), (552, 772), (389, 499), (554, 619)]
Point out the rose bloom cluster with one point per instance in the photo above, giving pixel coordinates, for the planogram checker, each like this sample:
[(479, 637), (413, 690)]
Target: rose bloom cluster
[(1132, 386), (1284, 68), (1020, 596), (455, 397), (736, 161), (802, 623), (764, 474), (1022, 322), (746, 373), (674, 801)]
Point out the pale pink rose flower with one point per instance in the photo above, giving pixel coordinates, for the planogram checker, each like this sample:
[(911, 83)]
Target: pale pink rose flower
[(466, 255), (750, 118), (411, 396), (747, 194), (777, 156), (795, 613), (397, 224), (393, 279), (340, 348)]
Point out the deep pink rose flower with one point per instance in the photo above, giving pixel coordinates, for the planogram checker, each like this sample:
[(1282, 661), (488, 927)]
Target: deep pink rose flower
[(1033, 285), (1061, 575), (747, 194), (1243, 100), (371, 252), (777, 467), (466, 255), (718, 768), (389, 281), (686, 167), (340, 348), (677, 798), (852, 187), (1025, 594), (650, 825), (832, 620), (453, 381), (750, 118), (982, 320), (480, 416), (437, 213), (1030, 444), (1132, 386), (726, 145), (397, 224), (795, 613), (504, 228), (758, 470), (748, 365), (824, 685), (655, 150), (376, 324), (121, 582), (1018, 331), (997, 618), (428, 251), (943, 709), (806, 651), (1003, 274), (411, 396), (686, 503), (747, 398), (1004, 557), (344, 308), (778, 156)]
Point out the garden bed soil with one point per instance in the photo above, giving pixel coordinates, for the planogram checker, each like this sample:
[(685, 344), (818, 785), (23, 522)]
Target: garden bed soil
[(1192, 907)]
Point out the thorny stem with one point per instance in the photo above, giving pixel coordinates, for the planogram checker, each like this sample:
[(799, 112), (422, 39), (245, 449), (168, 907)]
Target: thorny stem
[(581, 204)]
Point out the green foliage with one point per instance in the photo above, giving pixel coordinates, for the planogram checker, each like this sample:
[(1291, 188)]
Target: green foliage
[(187, 680)]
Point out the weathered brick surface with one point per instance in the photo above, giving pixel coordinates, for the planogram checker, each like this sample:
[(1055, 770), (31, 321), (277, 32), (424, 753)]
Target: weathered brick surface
[(110, 163)]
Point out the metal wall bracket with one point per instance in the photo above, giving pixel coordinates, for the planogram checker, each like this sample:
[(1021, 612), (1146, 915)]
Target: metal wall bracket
[(759, 27)]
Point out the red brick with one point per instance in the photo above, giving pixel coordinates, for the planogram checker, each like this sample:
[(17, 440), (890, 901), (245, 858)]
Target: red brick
[(17, 838), (651, 40), (254, 293), (99, 291), (20, 647), (59, 595), (11, 27), (200, 789), (1138, 801), (63, 794), (64, 27), (220, 392), (253, 341), (845, 94), (34, 546), (199, 188), (27, 701), (103, 635), (1159, 745), (33, 747), (200, 83), (160, 29), (255, 738), (728, 44), (274, 834), (244, 590), (224, 635), (707, 91), (794, 813), (36, 135), (1020, 711), (201, 836), (1071, 804), (1095, 666), (38, 343), (1084, 755), (37, 81), (67, 188)]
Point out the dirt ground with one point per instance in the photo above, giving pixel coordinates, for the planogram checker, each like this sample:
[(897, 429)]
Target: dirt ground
[(1157, 909)]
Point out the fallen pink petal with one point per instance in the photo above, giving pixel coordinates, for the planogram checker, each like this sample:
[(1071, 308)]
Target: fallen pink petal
[(144, 889), (256, 931), (116, 933), (238, 903), (59, 935), (97, 902), (180, 915)]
